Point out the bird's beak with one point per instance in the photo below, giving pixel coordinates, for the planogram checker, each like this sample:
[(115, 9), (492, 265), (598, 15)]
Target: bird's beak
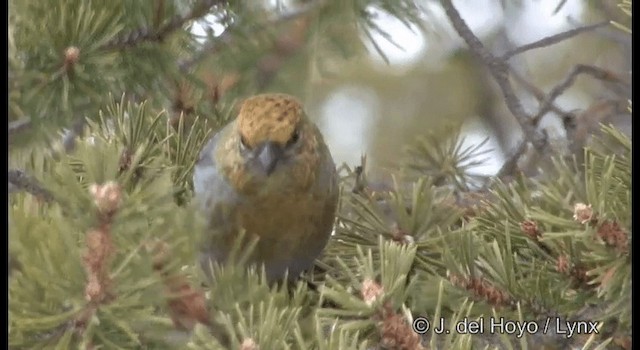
[(268, 156)]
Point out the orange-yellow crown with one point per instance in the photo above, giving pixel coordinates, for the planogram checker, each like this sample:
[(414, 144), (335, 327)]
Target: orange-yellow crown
[(269, 117)]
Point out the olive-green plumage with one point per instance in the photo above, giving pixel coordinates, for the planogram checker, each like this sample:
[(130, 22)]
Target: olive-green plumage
[(270, 173)]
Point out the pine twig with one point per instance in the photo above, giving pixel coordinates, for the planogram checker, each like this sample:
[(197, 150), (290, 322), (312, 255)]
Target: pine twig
[(497, 67), (538, 93), (511, 163), (559, 6), (19, 125), (500, 70), (21, 181), (228, 36), (146, 35), (596, 72), (551, 40)]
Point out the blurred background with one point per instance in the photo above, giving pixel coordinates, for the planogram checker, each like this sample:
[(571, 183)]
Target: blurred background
[(374, 75), (374, 92)]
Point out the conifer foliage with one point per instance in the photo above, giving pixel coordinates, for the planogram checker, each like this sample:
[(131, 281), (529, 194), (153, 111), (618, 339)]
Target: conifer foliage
[(109, 105)]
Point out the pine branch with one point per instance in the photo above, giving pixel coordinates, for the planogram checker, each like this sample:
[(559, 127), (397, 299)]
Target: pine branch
[(596, 72), (147, 35), (499, 69), (559, 6), (228, 36), (510, 165), (537, 93), (553, 39), (21, 181), (19, 125)]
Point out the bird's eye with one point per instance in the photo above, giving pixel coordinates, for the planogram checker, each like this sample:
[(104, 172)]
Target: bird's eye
[(294, 138), (243, 144)]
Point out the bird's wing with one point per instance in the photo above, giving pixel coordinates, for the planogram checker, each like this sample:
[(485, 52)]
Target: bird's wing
[(209, 183)]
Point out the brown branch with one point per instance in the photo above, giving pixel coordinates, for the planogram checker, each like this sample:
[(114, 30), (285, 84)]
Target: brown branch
[(497, 67), (538, 93), (559, 6), (19, 125), (551, 40), (596, 72), (500, 70), (510, 165), (146, 35), (228, 36), (22, 181)]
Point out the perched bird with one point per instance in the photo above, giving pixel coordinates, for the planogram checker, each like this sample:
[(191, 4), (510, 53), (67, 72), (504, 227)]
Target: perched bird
[(269, 173)]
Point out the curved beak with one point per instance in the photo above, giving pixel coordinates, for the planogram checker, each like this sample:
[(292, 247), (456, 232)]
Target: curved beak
[(268, 155)]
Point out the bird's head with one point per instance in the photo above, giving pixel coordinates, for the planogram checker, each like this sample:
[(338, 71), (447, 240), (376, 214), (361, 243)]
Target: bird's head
[(273, 145)]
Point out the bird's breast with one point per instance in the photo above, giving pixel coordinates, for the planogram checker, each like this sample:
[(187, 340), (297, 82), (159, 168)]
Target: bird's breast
[(280, 216)]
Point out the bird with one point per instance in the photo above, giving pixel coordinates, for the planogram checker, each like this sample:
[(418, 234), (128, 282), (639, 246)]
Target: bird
[(268, 174)]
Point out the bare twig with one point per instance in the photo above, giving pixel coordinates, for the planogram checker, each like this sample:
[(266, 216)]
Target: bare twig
[(538, 93), (559, 6), (500, 72), (22, 181), (497, 67), (553, 39), (607, 32), (510, 165), (596, 72), (145, 34)]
